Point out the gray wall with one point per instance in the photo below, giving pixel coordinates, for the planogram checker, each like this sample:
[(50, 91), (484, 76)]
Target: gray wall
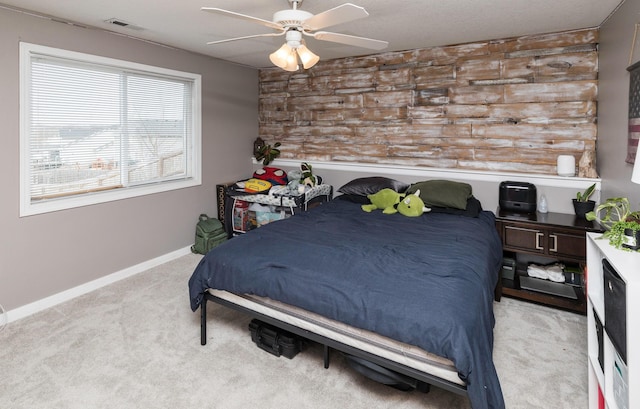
[(616, 37), (45, 254)]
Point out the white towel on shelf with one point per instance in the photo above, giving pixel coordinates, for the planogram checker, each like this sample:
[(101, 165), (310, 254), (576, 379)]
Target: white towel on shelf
[(555, 273), (552, 272), (537, 271)]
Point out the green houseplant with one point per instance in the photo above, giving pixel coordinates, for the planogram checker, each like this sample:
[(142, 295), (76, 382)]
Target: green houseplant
[(265, 152), (622, 224), (582, 204)]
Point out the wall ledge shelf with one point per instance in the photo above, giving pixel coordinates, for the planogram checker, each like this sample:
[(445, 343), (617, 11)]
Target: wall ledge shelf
[(460, 174)]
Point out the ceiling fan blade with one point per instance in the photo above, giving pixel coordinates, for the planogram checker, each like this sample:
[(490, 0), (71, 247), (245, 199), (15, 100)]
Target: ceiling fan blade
[(337, 15), (228, 13), (351, 40), (245, 38)]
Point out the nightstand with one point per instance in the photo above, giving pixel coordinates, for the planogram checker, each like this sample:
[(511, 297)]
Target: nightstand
[(545, 238)]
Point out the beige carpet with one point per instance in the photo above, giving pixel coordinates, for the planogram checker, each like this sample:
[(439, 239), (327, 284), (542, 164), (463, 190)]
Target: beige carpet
[(135, 344)]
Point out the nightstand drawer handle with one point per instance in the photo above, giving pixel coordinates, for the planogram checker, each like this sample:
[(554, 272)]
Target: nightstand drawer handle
[(554, 248), (538, 237)]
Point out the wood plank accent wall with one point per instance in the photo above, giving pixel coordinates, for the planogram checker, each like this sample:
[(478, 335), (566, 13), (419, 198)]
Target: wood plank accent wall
[(508, 105)]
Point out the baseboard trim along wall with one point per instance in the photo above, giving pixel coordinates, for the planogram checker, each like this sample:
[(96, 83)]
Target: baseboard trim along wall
[(53, 300)]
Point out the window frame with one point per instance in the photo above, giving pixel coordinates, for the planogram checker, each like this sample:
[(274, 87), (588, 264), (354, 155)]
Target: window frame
[(194, 163)]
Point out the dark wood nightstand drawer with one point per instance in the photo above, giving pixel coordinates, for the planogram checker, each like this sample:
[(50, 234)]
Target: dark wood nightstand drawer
[(545, 238)]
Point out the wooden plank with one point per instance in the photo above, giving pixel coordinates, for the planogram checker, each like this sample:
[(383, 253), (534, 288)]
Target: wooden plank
[(478, 69), (433, 151), (552, 92), (539, 52), (370, 150), (450, 54), (486, 94), (559, 146), (426, 112), (523, 68), (345, 66), (272, 102), (273, 88), (438, 76), (389, 80), (506, 165), (564, 67), (275, 116), (541, 112), (467, 111), (325, 102), (542, 41), (384, 114), (573, 67), (431, 96), (388, 99), (541, 131), (537, 111), (358, 117), (415, 133), (500, 81), (328, 83)]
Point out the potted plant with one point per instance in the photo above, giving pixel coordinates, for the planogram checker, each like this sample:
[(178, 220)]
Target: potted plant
[(265, 152), (623, 225), (582, 204)]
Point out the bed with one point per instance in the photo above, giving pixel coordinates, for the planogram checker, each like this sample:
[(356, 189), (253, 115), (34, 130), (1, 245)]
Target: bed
[(413, 294)]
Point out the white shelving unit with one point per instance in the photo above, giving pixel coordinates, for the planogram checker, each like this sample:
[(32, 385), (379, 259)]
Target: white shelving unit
[(608, 378)]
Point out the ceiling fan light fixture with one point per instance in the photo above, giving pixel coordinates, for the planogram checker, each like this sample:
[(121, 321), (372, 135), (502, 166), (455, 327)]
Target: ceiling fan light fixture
[(292, 61), (308, 58), (294, 23), (280, 56)]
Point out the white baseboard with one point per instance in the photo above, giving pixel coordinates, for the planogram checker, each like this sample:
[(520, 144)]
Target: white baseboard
[(53, 300)]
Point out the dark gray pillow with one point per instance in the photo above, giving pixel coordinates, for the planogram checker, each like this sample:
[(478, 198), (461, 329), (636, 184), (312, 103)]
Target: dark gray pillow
[(373, 184), (474, 207), (443, 193)]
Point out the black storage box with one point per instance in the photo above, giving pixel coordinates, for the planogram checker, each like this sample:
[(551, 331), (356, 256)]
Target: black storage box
[(600, 336), (274, 340), (509, 267), (615, 309), (518, 197)]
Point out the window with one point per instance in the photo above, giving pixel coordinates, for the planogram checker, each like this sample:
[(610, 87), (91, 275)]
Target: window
[(95, 129)]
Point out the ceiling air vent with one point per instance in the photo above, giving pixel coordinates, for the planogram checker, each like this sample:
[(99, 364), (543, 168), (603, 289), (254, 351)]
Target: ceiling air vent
[(122, 23)]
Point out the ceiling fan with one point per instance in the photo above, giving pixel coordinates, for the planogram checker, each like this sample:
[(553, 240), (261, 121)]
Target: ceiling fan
[(294, 23)]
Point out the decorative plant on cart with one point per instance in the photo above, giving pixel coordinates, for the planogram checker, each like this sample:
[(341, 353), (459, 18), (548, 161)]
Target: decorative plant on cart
[(622, 224), (265, 152)]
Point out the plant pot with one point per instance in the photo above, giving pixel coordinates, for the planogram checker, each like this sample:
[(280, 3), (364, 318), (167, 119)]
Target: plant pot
[(632, 239), (582, 208)]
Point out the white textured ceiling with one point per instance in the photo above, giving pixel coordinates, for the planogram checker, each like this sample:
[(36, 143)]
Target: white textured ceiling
[(404, 24)]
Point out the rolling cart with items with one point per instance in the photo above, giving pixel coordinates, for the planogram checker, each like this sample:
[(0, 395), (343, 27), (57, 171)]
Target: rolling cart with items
[(246, 211)]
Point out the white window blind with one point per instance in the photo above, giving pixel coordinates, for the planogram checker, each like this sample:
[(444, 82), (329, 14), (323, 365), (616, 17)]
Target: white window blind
[(93, 125)]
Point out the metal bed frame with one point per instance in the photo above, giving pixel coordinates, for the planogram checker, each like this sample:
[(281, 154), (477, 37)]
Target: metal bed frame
[(329, 344)]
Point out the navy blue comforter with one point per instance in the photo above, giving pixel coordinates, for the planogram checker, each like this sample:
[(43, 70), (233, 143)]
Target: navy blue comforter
[(426, 281)]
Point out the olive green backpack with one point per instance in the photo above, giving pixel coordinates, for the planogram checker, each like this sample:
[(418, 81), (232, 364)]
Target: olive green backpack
[(209, 234)]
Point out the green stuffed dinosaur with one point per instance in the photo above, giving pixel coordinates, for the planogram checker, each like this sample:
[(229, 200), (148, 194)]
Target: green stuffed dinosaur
[(385, 199), (392, 202), (412, 205)]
